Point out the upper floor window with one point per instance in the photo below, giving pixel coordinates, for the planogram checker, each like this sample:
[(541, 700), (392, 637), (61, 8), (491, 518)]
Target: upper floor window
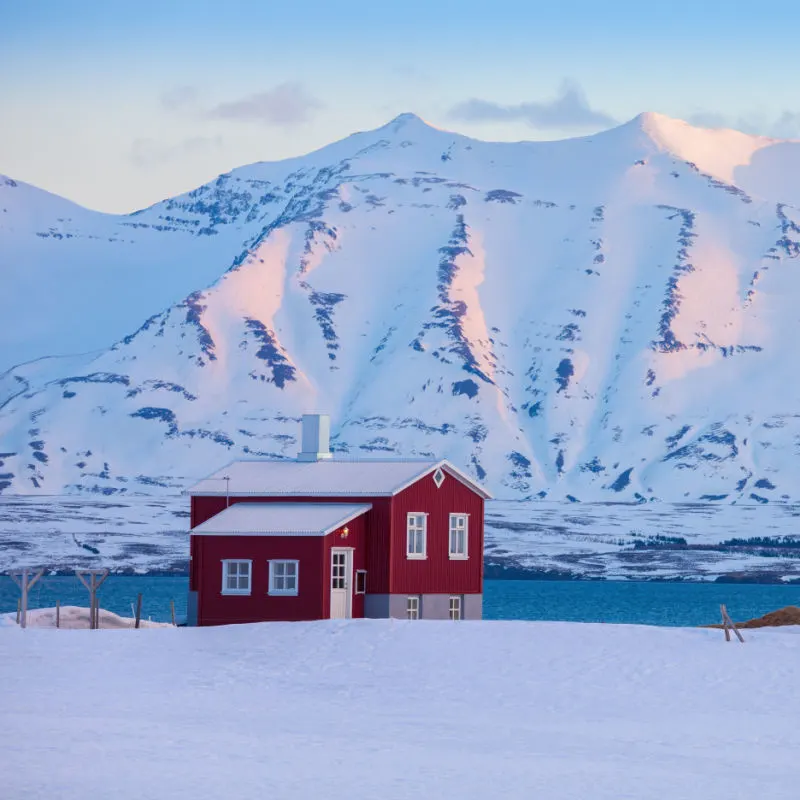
[(416, 535), (459, 535), (236, 576), (283, 577)]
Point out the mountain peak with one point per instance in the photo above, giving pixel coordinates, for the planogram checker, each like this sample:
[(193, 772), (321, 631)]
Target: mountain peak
[(407, 120), (717, 151)]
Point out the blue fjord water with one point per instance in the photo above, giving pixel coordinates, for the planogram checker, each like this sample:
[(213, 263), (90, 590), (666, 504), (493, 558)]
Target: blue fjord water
[(643, 603)]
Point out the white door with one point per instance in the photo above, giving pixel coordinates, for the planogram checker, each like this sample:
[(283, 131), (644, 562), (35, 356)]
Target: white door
[(341, 583)]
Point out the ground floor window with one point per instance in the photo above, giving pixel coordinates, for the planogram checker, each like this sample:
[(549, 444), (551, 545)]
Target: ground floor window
[(455, 607), (361, 581), (236, 576), (284, 577), (412, 607)]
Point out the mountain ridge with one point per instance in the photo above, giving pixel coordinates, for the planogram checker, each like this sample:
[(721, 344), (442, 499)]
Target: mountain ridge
[(660, 128), (557, 318)]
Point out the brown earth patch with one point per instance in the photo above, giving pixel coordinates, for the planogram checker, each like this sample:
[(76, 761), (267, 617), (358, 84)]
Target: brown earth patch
[(790, 615)]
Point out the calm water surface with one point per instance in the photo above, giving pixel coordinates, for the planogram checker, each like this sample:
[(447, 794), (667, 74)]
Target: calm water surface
[(670, 604)]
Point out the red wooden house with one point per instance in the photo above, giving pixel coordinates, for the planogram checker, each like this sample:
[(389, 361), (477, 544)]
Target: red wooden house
[(318, 537)]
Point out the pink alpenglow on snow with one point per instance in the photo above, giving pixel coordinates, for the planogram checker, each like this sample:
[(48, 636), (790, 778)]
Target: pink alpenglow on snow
[(605, 318)]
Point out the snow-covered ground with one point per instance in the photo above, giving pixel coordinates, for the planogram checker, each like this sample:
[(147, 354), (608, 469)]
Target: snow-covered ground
[(396, 709), (591, 540)]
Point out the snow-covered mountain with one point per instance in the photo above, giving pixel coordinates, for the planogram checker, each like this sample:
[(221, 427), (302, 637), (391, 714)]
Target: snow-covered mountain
[(614, 316)]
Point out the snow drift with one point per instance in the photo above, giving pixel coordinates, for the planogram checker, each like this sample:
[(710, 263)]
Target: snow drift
[(465, 710)]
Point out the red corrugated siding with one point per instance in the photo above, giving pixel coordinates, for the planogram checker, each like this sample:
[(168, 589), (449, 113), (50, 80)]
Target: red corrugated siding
[(203, 508), (193, 561), (214, 608), (438, 574), (378, 522), (313, 553)]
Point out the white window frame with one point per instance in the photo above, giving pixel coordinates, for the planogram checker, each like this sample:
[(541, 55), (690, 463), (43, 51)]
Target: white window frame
[(456, 607), (272, 578), (225, 563), (413, 606), (454, 555), (415, 515), (359, 573)]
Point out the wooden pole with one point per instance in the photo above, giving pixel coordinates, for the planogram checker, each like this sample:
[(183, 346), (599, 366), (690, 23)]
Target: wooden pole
[(172, 608), (58, 613), (93, 584), (19, 606), (25, 585), (138, 609), (730, 624), (24, 611)]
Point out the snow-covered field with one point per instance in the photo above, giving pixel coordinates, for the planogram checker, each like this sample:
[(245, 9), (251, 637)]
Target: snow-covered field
[(620, 541), (591, 540), (396, 709)]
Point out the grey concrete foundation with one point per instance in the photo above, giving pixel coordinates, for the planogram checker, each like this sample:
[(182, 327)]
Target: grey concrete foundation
[(432, 606), (472, 606), (376, 606)]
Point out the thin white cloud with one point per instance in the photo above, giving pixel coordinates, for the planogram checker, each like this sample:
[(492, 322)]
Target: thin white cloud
[(568, 110), (149, 153), (785, 126), (179, 98), (285, 105)]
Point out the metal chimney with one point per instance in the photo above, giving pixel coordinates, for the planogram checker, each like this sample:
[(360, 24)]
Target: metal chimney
[(316, 438)]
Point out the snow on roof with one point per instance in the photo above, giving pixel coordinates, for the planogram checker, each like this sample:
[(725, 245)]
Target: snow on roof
[(335, 478), (281, 519)]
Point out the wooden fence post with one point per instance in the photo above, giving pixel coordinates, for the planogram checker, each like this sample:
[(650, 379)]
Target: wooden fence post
[(19, 608), (172, 607), (729, 625), (138, 610), (58, 613), (25, 585), (93, 584)]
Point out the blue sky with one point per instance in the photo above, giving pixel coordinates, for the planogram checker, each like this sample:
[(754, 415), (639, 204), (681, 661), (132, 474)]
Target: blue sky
[(117, 105)]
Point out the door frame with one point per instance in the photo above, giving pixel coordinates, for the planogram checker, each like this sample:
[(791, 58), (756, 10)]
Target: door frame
[(348, 581)]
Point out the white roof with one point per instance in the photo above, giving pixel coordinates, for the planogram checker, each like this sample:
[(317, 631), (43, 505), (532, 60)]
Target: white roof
[(331, 478), (281, 519)]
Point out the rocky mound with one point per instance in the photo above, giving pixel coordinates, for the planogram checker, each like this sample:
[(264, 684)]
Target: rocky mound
[(790, 615)]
